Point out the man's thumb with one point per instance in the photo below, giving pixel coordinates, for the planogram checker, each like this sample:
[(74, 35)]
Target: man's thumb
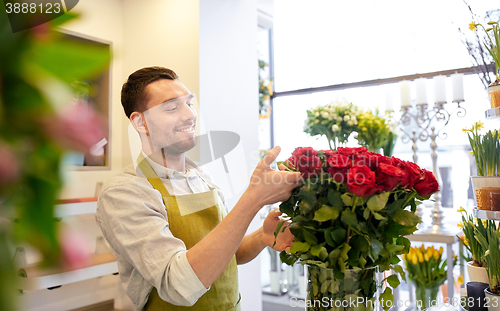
[(271, 155)]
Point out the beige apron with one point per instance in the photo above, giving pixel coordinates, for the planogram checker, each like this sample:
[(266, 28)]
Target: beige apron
[(191, 223)]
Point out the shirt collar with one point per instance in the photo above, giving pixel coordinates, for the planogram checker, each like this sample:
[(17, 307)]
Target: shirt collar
[(165, 172)]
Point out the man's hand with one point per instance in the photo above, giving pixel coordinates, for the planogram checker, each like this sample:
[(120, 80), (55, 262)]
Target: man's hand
[(284, 239), (268, 186)]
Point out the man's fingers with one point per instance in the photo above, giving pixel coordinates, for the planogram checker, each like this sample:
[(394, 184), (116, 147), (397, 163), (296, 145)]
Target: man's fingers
[(282, 167), (271, 156)]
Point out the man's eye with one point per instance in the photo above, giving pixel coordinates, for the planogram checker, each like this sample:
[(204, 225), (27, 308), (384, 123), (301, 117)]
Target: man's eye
[(172, 109)]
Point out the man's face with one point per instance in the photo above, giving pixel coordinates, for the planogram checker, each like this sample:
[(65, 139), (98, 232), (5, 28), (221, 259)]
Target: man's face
[(170, 116)]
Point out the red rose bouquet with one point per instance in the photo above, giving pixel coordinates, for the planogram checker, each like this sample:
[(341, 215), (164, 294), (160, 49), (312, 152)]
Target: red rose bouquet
[(351, 214)]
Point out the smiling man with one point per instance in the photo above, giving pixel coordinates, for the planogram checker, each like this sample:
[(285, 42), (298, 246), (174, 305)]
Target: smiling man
[(176, 246)]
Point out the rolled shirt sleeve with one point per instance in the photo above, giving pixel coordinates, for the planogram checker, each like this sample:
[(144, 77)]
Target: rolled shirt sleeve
[(133, 220)]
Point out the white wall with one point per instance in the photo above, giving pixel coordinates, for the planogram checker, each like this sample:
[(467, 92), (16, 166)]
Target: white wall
[(229, 96)]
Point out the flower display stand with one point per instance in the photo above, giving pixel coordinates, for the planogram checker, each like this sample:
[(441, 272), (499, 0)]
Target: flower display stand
[(449, 239)]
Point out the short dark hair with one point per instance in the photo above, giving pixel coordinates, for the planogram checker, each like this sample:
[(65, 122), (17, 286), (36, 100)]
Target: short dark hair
[(133, 96)]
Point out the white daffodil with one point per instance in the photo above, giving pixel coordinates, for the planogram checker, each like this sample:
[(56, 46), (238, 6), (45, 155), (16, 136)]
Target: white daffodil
[(325, 114), (335, 128), (347, 118), (316, 114)]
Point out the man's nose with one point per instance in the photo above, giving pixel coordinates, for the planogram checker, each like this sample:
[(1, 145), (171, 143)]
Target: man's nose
[(188, 112)]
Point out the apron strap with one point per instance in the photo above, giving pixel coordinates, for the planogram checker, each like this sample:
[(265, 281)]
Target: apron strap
[(152, 176)]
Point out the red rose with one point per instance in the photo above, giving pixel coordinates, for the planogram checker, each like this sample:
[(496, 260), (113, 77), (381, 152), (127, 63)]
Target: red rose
[(361, 181), (351, 151), (370, 159), (388, 176), (306, 161), (427, 184), (411, 172), (338, 165)]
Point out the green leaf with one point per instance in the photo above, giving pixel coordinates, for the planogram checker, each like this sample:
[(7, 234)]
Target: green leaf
[(360, 243), (362, 262), (377, 202), (304, 207), (335, 199), (399, 269), (393, 248), (378, 216), (346, 198), (345, 250), (298, 246), (326, 213), (375, 248), (287, 258), (366, 213), (393, 280), (310, 238), (385, 297), (349, 218), (328, 237), (406, 218), (339, 235)]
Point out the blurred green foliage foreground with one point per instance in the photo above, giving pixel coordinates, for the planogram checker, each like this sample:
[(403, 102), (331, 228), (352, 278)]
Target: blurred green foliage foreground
[(36, 70)]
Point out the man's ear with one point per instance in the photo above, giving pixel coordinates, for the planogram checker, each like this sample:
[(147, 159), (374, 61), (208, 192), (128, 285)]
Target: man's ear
[(139, 122)]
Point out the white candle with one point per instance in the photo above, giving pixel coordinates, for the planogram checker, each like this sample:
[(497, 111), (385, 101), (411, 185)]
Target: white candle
[(421, 92), (439, 89), (458, 87), (388, 100), (405, 94)]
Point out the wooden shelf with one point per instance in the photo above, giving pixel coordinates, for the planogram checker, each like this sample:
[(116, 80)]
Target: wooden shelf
[(34, 278)]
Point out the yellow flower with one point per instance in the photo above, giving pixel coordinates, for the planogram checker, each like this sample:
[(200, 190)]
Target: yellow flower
[(465, 130), (460, 280), (478, 126), (436, 255), (472, 26), (420, 257), (460, 225), (441, 250), (414, 260), (461, 209), (427, 257), (270, 88)]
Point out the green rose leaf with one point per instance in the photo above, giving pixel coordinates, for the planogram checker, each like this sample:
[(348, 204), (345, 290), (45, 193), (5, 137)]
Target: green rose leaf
[(375, 248), (298, 246), (385, 297), (360, 243), (393, 248), (377, 202), (399, 269), (349, 218), (287, 258), (346, 198), (326, 213), (328, 237), (316, 249), (393, 280), (310, 238), (406, 218), (335, 199), (378, 216), (366, 213), (339, 235)]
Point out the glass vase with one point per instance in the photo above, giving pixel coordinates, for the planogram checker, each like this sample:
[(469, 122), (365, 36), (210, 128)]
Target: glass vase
[(356, 291), (426, 295)]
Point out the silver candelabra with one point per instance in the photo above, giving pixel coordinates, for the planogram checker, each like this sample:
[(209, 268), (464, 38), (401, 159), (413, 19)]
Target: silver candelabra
[(428, 121)]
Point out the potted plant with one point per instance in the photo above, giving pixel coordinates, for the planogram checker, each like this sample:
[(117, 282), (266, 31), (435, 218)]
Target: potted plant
[(471, 227), (492, 45), (427, 271), (486, 151), (349, 219), (491, 243)]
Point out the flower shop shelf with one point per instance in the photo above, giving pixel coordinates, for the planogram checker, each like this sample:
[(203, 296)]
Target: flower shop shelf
[(34, 278), (493, 113), (484, 214)]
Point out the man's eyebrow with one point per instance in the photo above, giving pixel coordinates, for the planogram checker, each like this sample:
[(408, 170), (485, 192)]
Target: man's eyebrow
[(190, 96)]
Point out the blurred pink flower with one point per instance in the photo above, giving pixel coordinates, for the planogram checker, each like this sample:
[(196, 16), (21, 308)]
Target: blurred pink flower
[(77, 128), (9, 165), (75, 249)]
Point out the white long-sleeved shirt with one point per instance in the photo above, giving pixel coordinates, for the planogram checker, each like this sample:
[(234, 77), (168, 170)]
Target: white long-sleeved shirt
[(134, 222)]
